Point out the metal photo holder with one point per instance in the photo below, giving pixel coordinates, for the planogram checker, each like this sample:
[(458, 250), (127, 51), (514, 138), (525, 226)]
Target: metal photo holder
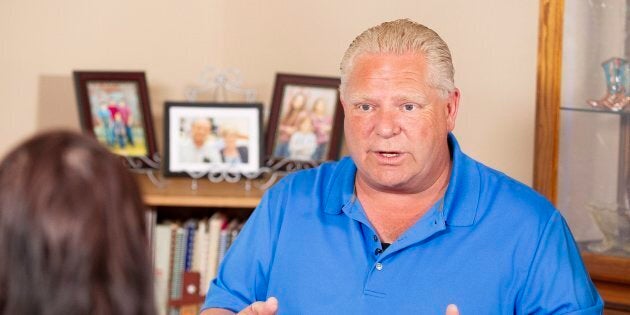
[(220, 83)]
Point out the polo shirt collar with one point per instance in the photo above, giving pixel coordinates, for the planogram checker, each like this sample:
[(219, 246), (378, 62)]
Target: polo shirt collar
[(460, 202), (340, 189), (462, 195)]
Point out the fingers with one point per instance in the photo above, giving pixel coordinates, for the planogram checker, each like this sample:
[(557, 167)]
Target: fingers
[(451, 309), (269, 307)]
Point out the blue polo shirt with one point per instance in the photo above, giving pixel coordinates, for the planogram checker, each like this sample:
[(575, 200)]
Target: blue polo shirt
[(491, 246)]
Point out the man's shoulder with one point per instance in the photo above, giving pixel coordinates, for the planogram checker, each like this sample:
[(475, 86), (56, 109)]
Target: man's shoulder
[(317, 185), (492, 192), (506, 194), (318, 177)]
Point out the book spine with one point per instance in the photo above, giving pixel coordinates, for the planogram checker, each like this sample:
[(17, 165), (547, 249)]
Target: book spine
[(223, 239), (178, 266), (216, 222), (162, 266), (190, 245)]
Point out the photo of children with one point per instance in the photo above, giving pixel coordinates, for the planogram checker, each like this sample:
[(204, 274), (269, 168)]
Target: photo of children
[(322, 126), (305, 123), (303, 142), (296, 111), (213, 139), (117, 117)]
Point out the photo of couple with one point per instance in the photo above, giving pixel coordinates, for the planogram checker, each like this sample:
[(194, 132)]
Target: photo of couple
[(205, 137), (203, 141)]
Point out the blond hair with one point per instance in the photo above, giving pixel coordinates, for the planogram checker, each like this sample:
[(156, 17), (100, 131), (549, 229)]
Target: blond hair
[(401, 37)]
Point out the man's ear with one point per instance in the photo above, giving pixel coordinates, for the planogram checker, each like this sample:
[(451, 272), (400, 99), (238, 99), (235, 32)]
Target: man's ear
[(451, 108)]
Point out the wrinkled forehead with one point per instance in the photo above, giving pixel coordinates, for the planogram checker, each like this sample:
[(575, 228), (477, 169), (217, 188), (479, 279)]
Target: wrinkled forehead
[(374, 95), (406, 73)]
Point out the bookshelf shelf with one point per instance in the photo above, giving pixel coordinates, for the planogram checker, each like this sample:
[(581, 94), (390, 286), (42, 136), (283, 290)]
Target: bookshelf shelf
[(611, 275), (178, 193), (188, 227)]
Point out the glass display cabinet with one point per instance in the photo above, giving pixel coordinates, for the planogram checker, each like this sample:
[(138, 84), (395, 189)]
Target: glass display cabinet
[(582, 151)]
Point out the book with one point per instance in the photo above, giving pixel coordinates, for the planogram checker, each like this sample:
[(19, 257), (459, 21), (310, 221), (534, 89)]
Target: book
[(223, 240), (191, 227), (200, 254), (226, 238), (162, 265), (234, 232), (150, 221), (177, 268), (216, 222)]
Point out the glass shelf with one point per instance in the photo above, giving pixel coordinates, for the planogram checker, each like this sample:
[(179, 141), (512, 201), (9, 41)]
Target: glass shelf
[(624, 112), (593, 170)]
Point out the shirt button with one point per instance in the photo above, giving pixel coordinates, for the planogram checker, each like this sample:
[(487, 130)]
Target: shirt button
[(378, 251), (375, 238), (379, 266)]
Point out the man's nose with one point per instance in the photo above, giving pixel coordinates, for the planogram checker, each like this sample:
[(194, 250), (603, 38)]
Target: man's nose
[(387, 124)]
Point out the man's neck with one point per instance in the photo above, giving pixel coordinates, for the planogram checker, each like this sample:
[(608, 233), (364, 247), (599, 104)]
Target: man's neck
[(392, 213)]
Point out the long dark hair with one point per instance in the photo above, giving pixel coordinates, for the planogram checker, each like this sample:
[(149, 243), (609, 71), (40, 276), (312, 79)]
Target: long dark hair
[(72, 231)]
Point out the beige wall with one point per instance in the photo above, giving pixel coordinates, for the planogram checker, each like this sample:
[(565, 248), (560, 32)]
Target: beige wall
[(493, 44)]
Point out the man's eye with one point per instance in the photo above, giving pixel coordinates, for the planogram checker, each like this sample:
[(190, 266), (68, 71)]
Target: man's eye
[(365, 107), (409, 107)]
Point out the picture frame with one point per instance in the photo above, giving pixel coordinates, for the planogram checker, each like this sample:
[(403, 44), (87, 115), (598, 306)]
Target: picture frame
[(114, 108), (310, 133), (203, 137)]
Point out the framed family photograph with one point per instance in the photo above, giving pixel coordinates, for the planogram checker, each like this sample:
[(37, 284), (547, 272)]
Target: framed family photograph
[(212, 137), (114, 107), (305, 120)]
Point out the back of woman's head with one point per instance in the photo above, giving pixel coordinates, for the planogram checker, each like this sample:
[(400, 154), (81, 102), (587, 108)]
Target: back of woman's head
[(72, 229)]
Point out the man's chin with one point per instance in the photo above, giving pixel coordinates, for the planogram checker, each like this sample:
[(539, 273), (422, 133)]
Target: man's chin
[(388, 181)]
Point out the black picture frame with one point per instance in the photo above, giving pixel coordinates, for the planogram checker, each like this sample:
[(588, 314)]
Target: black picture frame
[(114, 108), (199, 137), (326, 125)]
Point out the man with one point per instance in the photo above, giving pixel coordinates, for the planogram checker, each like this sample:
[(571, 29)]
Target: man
[(200, 148), (409, 224), (127, 119), (105, 119)]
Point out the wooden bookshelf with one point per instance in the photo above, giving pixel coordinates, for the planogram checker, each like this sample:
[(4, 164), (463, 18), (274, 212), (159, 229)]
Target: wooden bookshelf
[(610, 274), (612, 278), (177, 192), (174, 200)]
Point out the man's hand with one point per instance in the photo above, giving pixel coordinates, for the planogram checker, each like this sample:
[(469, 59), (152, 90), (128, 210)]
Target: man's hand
[(451, 309), (269, 307)]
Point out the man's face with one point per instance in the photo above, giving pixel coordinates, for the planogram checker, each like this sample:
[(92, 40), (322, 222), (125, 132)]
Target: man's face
[(200, 130), (396, 125)]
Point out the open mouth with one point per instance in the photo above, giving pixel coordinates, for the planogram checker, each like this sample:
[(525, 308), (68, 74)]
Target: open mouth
[(388, 154)]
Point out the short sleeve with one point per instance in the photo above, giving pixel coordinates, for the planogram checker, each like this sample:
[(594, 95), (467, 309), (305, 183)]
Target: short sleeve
[(557, 281), (243, 274)]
